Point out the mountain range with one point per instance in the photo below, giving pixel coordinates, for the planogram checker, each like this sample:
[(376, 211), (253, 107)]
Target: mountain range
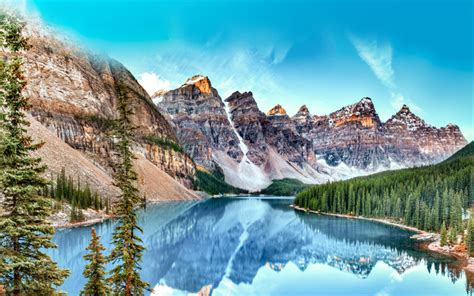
[(73, 94), (253, 148)]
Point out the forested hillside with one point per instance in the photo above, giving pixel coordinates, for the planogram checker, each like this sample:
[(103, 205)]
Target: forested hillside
[(425, 197)]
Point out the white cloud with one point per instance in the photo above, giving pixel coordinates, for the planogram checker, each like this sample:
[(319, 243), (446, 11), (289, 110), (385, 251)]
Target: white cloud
[(152, 82), (379, 58)]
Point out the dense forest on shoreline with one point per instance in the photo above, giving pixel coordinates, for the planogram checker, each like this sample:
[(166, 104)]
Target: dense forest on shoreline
[(429, 198)]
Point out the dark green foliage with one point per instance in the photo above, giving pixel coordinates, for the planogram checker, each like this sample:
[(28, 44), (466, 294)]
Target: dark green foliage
[(94, 271), (424, 197), (466, 151), (78, 195), (163, 142), (25, 268), (284, 187), (214, 183), (128, 250), (470, 237), (452, 236), (444, 235)]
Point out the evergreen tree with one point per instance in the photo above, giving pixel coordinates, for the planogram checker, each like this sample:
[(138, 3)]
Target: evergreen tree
[(470, 238), (128, 249), (24, 233), (452, 236), (95, 271), (444, 236)]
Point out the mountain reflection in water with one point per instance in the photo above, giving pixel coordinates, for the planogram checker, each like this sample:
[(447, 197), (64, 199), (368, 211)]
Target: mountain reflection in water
[(249, 246)]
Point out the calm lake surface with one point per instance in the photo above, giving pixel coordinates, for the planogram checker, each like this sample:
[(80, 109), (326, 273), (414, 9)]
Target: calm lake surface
[(249, 246)]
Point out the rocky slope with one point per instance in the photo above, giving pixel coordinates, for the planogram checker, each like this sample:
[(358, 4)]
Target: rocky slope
[(253, 148), (73, 95)]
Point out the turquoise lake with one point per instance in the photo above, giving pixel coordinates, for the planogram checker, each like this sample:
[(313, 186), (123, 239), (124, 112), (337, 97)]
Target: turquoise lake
[(250, 246)]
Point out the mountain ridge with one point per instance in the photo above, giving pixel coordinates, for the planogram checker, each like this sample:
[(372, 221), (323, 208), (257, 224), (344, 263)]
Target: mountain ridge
[(318, 148)]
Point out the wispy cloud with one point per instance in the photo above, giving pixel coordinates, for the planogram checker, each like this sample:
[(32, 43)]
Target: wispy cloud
[(151, 82), (378, 57), (234, 68)]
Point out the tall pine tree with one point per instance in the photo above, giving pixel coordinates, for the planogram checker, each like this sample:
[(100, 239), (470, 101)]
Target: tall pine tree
[(128, 249), (24, 233), (95, 270)]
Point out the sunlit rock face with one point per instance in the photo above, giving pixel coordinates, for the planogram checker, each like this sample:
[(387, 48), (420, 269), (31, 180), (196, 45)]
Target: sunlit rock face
[(74, 94), (276, 111), (201, 121), (352, 135)]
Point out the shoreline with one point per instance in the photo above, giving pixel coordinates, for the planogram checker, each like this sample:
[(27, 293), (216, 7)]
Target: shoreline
[(465, 262), (379, 220)]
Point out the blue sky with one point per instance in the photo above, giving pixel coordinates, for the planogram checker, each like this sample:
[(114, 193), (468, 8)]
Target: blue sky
[(324, 54)]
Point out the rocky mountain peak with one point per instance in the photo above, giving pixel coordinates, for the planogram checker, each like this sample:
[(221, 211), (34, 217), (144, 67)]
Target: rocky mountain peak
[(303, 112), (201, 82), (362, 112), (405, 119), (277, 110), (405, 109)]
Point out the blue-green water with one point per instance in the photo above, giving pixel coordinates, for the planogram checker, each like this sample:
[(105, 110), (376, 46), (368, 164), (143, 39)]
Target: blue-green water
[(262, 247)]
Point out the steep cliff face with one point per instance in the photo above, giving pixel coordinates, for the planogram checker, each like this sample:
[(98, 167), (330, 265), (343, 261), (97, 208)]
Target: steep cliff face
[(410, 139), (201, 121), (355, 136), (273, 144), (250, 123), (352, 135), (74, 93), (282, 134), (252, 148)]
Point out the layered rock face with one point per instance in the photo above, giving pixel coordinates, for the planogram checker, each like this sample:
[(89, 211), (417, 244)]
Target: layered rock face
[(410, 139), (250, 123), (348, 142), (355, 136), (352, 135), (201, 121), (282, 134), (74, 94)]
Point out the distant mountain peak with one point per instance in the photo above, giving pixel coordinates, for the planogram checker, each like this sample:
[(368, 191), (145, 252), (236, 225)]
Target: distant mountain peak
[(407, 119), (362, 112), (405, 109), (278, 110), (302, 114), (201, 82)]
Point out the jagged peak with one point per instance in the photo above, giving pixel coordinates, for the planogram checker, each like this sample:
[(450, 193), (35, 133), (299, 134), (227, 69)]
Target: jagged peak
[(201, 82), (303, 109), (303, 112), (452, 126), (365, 100), (277, 110), (405, 109)]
